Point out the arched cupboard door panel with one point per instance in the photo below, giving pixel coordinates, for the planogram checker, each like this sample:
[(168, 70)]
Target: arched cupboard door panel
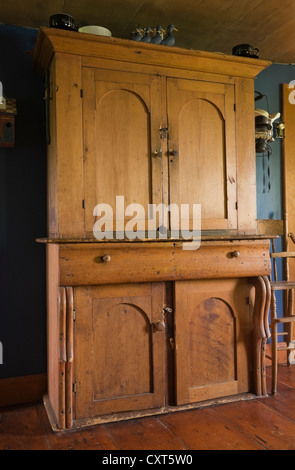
[(213, 325), (202, 145), (202, 160), (212, 344), (121, 130), (130, 362), (115, 337)]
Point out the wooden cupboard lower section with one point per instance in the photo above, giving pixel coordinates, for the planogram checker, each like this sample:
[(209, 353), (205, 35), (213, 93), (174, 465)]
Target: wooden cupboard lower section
[(117, 351)]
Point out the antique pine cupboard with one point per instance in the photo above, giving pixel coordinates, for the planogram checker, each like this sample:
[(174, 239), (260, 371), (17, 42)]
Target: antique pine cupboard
[(138, 327)]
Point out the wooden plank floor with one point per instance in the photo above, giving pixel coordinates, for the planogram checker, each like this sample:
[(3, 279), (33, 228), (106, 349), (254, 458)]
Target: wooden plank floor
[(260, 424)]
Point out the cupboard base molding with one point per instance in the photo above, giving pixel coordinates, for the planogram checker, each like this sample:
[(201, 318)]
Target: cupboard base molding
[(116, 417), (22, 390)]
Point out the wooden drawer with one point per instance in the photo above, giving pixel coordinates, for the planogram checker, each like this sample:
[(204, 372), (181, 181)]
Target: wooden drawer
[(113, 263)]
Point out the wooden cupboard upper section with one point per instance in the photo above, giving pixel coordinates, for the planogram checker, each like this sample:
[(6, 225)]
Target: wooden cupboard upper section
[(204, 101), (52, 40)]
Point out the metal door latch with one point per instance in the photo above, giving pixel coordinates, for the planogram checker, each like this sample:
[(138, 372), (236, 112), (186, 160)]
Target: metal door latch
[(164, 133)]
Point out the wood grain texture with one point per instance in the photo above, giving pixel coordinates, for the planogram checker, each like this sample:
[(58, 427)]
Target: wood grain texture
[(246, 169), (213, 326), (288, 178), (197, 429), (55, 326), (202, 137), (134, 436), (267, 428), (70, 356), (52, 155), (124, 110), (211, 26), (161, 133), (83, 264), (69, 146), (266, 423), (121, 136), (260, 332), (21, 390), (115, 335)]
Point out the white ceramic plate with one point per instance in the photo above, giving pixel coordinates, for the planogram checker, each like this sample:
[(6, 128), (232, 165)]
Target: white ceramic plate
[(99, 30)]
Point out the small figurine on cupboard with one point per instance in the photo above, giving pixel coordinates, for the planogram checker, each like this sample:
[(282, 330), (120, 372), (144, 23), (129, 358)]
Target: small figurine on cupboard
[(155, 35)]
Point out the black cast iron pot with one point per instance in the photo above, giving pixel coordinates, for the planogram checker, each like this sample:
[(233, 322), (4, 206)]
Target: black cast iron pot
[(62, 21)]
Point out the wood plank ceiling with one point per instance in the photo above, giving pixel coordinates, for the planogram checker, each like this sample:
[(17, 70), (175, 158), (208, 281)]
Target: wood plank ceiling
[(209, 25)]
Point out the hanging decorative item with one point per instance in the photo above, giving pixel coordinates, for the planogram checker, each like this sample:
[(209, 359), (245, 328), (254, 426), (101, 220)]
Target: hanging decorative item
[(280, 130), (7, 121), (264, 132)]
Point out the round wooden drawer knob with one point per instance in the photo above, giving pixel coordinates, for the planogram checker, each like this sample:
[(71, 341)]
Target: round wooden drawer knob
[(106, 258), (157, 153), (159, 326), (235, 254)]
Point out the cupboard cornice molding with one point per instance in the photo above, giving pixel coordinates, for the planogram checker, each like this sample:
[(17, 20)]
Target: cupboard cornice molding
[(51, 41)]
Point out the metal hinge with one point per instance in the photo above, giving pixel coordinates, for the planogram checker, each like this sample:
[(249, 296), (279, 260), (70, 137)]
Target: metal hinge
[(167, 309), (75, 387), (74, 315), (81, 93), (83, 204), (236, 206), (172, 343), (235, 107)]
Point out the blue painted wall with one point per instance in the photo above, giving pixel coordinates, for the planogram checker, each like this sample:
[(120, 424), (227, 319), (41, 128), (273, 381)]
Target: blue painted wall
[(22, 212), (269, 202)]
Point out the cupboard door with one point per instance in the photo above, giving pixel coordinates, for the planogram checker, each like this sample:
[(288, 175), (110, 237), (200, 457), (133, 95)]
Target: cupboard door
[(202, 155), (121, 119), (213, 324), (119, 351)]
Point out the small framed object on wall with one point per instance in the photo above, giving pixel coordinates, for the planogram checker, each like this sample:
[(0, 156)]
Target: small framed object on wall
[(8, 112)]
